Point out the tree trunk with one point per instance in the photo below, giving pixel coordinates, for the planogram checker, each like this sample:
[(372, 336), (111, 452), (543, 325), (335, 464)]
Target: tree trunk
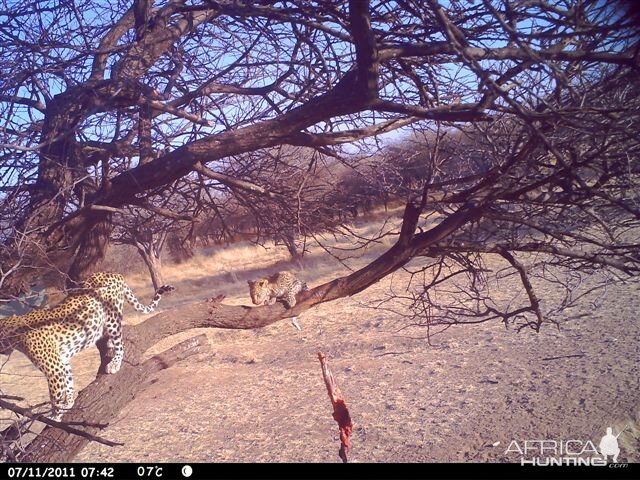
[(54, 242), (152, 260), (154, 264), (289, 240), (91, 247)]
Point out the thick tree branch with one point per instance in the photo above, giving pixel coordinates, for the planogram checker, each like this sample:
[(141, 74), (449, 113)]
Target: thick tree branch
[(29, 102), (366, 48), (526, 283), (506, 53), (307, 139), (451, 113), (101, 401), (615, 260), (165, 212), (161, 107), (232, 182)]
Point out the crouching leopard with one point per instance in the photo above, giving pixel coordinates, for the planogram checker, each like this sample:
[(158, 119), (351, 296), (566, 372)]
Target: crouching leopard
[(282, 285), (50, 337)]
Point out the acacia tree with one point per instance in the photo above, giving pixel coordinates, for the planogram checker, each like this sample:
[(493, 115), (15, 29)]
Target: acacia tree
[(112, 105), (148, 234)]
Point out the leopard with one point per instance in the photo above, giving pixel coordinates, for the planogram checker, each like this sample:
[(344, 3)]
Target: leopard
[(50, 337), (282, 285)]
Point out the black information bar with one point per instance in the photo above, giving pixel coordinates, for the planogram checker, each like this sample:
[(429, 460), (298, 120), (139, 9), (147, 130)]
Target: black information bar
[(200, 471)]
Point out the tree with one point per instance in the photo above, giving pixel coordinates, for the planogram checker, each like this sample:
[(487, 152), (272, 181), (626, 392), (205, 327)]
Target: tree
[(119, 107), (148, 241), (148, 228)]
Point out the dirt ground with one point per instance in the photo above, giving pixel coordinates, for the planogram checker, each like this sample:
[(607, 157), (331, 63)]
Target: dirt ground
[(259, 395)]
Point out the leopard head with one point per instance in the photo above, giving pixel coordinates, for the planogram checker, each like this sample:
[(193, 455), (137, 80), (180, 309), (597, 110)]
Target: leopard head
[(259, 290)]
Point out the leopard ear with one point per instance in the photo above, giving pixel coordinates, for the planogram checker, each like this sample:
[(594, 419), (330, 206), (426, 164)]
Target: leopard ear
[(250, 282)]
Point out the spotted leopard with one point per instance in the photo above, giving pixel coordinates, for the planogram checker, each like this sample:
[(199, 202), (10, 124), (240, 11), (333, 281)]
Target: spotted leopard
[(50, 337), (282, 285)]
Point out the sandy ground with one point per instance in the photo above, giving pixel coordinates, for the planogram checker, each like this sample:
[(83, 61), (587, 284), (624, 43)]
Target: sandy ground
[(259, 395)]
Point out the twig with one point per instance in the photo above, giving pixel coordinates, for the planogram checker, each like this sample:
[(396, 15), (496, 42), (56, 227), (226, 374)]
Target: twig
[(392, 353), (62, 425), (575, 355), (340, 409)]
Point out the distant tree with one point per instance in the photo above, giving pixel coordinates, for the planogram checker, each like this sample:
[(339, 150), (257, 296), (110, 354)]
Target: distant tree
[(148, 239)]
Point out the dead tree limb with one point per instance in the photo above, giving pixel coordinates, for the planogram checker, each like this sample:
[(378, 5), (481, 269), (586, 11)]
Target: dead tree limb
[(10, 438), (104, 398)]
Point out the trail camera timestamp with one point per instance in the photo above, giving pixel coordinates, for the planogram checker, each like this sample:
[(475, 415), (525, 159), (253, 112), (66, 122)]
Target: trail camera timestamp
[(60, 472), (86, 472)]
